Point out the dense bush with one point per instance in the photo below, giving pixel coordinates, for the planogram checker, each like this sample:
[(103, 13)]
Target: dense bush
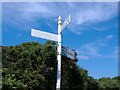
[(32, 66)]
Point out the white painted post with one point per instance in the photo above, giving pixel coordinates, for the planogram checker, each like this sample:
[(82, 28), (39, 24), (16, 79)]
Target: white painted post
[(58, 85), (54, 37)]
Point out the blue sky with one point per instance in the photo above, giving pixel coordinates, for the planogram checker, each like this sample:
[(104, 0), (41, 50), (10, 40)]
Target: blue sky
[(93, 31)]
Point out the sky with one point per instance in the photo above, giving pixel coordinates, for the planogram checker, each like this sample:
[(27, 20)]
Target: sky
[(93, 31)]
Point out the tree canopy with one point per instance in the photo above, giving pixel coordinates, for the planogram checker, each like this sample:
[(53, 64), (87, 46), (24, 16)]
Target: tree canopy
[(33, 66)]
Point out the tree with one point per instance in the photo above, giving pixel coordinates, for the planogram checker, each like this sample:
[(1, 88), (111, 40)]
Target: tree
[(23, 67), (32, 66), (109, 84), (71, 77)]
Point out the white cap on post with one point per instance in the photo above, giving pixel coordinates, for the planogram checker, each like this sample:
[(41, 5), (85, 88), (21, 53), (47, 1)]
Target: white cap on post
[(59, 20)]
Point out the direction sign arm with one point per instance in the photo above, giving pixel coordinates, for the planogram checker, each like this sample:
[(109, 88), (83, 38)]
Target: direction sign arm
[(45, 35), (66, 23)]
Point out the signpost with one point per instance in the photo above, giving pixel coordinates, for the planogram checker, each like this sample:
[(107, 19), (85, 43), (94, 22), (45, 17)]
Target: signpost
[(57, 38), (45, 35), (66, 22), (68, 53)]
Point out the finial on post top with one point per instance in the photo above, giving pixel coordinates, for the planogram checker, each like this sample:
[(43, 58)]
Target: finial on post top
[(59, 20)]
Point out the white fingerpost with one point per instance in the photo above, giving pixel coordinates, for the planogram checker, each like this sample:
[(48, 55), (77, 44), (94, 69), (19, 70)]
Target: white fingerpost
[(57, 38), (58, 84)]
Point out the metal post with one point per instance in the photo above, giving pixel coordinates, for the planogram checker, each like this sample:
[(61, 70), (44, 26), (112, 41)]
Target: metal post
[(58, 85)]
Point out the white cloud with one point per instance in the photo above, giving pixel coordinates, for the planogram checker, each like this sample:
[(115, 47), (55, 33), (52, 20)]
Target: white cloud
[(93, 49), (82, 13), (83, 57), (36, 11), (100, 28), (104, 41), (90, 49), (93, 13), (96, 12), (109, 37)]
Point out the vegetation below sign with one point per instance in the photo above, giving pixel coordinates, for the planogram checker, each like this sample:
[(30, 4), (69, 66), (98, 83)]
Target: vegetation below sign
[(32, 66)]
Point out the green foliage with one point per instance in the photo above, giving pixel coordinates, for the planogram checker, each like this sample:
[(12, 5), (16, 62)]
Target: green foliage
[(109, 84), (25, 65), (32, 66), (71, 77)]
